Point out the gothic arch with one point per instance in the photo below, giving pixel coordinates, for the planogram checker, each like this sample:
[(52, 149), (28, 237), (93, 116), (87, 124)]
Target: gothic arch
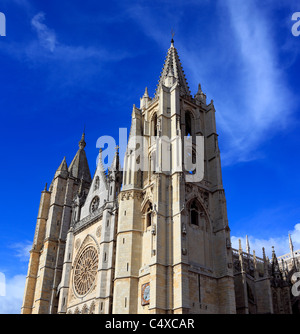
[(189, 116), (201, 196), (199, 234), (147, 212), (195, 211)]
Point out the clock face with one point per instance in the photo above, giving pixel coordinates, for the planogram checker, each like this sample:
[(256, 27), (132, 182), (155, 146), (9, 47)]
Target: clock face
[(94, 204), (146, 294)]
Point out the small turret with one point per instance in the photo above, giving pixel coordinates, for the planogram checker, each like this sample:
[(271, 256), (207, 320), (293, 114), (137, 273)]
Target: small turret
[(200, 96), (276, 273), (144, 101)]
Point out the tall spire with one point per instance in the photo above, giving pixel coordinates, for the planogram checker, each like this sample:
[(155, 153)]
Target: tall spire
[(291, 244), (173, 66), (79, 167), (292, 249)]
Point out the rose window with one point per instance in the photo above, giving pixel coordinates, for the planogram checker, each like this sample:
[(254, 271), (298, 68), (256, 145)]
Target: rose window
[(85, 270)]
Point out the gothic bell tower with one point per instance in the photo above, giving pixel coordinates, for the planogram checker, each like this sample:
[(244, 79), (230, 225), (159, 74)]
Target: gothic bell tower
[(173, 251)]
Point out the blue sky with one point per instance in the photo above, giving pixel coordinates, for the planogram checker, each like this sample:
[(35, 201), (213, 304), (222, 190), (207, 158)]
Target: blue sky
[(66, 65)]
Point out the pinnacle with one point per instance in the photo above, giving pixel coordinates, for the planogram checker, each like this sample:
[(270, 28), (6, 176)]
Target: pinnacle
[(62, 170), (63, 165), (82, 142)]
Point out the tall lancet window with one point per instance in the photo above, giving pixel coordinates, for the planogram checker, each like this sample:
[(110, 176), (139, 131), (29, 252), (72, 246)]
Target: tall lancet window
[(154, 125), (149, 216), (194, 213), (188, 124)]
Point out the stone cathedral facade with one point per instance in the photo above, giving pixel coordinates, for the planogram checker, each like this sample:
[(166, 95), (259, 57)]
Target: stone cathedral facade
[(147, 241)]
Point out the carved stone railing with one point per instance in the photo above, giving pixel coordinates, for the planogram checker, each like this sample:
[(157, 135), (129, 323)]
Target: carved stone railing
[(88, 219), (288, 256), (247, 255)]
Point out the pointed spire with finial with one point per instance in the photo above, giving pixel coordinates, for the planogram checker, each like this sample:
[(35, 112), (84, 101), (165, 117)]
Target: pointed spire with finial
[(240, 246), (241, 259), (247, 245), (172, 66), (115, 166), (79, 166), (266, 261), (255, 265), (291, 244), (82, 142), (292, 249)]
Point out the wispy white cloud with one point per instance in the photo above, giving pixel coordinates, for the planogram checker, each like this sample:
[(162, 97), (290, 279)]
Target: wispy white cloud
[(46, 36), (75, 65), (262, 100), (21, 250), (11, 302), (56, 50), (281, 244)]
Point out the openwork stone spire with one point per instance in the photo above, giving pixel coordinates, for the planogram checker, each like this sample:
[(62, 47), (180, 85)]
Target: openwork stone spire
[(173, 67)]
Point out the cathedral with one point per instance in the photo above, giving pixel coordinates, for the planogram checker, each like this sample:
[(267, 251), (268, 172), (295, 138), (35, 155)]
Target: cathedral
[(150, 240)]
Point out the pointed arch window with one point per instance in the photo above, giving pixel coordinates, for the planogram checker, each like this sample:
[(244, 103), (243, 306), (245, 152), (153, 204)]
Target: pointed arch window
[(154, 125), (149, 216), (194, 213), (188, 124)]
